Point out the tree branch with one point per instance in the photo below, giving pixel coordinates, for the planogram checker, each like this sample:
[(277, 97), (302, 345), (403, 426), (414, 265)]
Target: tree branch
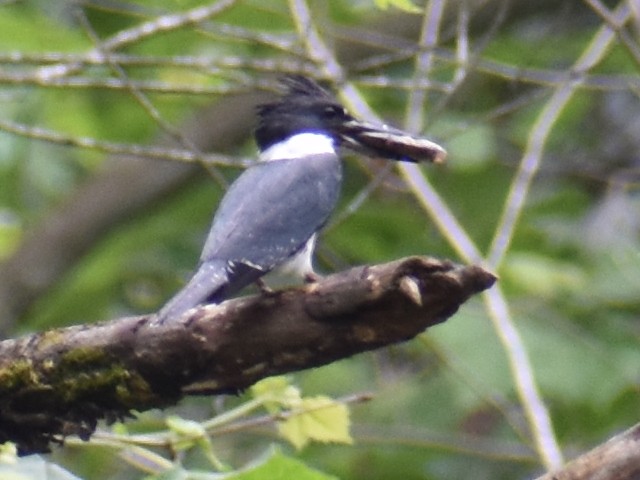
[(617, 459), (61, 382)]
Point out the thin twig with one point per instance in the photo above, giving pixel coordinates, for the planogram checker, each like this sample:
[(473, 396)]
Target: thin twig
[(462, 43), (423, 63), (315, 48), (26, 79), (207, 64), (532, 158), (135, 35), (520, 365), (477, 385), (448, 225), (440, 214), (162, 153), (534, 408), (147, 105), (625, 39), (286, 42), (403, 50)]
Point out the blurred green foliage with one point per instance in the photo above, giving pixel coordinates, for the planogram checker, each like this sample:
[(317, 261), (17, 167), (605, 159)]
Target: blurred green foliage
[(444, 404)]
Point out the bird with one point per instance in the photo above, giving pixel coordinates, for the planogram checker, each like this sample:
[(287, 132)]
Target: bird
[(270, 216)]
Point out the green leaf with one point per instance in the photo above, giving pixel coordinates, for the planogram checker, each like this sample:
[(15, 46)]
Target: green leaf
[(321, 419), (280, 467), (404, 5), (8, 453), (277, 393)]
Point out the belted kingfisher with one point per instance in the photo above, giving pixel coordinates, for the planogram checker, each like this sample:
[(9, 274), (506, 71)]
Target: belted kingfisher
[(269, 217)]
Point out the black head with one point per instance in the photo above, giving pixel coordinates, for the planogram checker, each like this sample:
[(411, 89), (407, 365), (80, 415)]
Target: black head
[(305, 107)]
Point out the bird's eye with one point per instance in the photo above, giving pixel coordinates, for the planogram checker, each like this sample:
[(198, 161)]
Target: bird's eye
[(335, 111)]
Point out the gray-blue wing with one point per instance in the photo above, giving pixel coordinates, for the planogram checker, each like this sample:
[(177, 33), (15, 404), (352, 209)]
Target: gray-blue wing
[(272, 209), (267, 215)]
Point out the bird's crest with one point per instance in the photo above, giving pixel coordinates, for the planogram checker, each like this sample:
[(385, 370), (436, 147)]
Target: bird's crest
[(298, 85)]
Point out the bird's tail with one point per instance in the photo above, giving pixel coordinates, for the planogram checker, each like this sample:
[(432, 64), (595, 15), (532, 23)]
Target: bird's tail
[(211, 277)]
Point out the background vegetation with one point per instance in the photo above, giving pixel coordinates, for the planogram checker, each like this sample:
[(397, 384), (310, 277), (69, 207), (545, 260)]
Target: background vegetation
[(537, 104)]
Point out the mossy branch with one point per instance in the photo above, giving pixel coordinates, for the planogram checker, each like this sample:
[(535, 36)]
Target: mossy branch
[(61, 382)]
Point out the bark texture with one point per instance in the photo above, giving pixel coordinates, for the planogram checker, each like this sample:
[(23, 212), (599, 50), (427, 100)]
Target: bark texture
[(617, 459), (61, 382)]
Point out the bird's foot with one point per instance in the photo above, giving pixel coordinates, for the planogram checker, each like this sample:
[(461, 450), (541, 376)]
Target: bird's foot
[(265, 289), (312, 277)]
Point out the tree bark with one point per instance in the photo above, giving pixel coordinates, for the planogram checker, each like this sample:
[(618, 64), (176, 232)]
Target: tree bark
[(617, 459), (62, 381)]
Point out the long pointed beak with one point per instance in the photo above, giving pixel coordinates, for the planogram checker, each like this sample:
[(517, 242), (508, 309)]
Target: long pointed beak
[(386, 142)]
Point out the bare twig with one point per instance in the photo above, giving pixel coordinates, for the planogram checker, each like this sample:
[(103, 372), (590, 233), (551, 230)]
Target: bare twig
[(155, 86), (218, 64), (520, 365), (134, 35), (148, 106), (534, 408), (616, 23), (448, 225), (432, 19), (114, 148), (532, 158)]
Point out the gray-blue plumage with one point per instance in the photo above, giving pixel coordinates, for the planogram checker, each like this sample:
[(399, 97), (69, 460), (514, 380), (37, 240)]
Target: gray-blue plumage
[(268, 214)]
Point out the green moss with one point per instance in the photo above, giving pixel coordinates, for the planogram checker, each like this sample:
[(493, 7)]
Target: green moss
[(135, 392), (49, 338), (82, 358), (17, 375), (81, 374), (85, 372)]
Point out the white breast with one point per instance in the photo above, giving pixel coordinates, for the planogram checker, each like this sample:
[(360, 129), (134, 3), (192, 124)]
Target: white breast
[(299, 145)]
